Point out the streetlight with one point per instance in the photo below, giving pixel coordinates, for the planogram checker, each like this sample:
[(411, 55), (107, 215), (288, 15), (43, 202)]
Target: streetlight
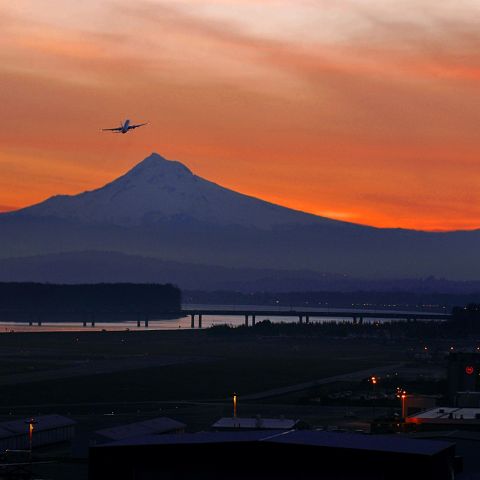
[(234, 405), (31, 425), (402, 394), (373, 381)]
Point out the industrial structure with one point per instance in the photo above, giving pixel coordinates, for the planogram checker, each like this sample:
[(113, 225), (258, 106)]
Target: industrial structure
[(256, 423), (152, 426), (463, 374), (41, 431), (272, 454), (445, 418)]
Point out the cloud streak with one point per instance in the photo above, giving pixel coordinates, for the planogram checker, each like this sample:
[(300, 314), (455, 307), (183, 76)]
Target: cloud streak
[(319, 105)]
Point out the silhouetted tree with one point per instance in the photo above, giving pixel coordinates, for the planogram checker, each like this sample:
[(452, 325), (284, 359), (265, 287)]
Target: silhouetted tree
[(466, 318)]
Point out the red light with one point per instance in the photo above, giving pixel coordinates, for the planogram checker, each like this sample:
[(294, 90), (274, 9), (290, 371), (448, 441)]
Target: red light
[(469, 370)]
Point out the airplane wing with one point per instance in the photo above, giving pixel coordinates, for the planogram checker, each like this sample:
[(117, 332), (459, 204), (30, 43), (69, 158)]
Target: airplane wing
[(118, 129), (136, 126)]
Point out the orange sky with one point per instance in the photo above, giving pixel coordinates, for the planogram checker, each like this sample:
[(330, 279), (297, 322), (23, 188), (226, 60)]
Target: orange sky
[(364, 111)]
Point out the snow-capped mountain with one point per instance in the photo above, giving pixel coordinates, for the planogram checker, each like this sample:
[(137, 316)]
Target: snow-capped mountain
[(162, 211), (159, 189)]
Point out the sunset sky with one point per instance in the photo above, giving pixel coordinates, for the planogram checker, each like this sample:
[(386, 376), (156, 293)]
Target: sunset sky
[(361, 110)]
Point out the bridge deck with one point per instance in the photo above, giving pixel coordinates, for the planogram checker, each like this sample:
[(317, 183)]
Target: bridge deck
[(318, 314)]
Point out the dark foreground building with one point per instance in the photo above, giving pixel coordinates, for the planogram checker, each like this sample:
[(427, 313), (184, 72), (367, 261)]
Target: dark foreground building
[(463, 374), (272, 455)]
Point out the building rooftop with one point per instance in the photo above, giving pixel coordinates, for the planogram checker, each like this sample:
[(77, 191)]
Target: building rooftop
[(378, 443), (153, 426), (255, 423), (44, 422), (194, 438), (351, 441), (445, 414)]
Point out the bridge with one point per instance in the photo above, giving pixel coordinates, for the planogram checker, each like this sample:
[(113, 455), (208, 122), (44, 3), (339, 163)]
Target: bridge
[(306, 315), (250, 314)]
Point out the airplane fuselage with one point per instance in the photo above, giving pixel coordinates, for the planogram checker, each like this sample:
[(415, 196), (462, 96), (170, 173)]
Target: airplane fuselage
[(125, 126)]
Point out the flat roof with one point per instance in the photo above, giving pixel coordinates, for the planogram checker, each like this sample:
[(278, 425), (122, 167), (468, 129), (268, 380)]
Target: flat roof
[(44, 422), (193, 438), (446, 413), (137, 429), (255, 423), (379, 443), (353, 441)]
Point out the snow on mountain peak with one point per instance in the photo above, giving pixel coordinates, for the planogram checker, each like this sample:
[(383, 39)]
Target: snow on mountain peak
[(155, 164), (158, 190)]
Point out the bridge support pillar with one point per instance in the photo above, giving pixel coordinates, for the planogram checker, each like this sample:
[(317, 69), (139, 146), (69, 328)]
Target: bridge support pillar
[(354, 320), (30, 323), (146, 322), (253, 320), (84, 323), (307, 319), (360, 321), (39, 323), (192, 320), (200, 321), (300, 318), (138, 323), (246, 320)]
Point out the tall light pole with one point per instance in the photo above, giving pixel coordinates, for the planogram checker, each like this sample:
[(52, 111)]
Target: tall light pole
[(31, 425), (402, 395), (234, 405), (373, 380)]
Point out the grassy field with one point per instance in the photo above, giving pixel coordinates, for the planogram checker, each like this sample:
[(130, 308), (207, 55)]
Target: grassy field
[(220, 364)]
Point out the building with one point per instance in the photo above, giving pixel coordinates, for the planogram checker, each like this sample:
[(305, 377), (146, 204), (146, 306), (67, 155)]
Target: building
[(468, 399), (463, 374), (268, 455), (48, 430), (417, 403), (157, 426), (445, 418), (467, 446), (257, 423)]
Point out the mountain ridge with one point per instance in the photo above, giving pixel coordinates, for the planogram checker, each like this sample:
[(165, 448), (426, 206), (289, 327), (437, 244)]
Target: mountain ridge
[(159, 188), (160, 209)]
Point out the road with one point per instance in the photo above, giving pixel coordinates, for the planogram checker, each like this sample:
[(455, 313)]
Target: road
[(346, 377)]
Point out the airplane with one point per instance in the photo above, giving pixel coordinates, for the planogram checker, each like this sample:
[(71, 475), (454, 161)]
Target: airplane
[(124, 127)]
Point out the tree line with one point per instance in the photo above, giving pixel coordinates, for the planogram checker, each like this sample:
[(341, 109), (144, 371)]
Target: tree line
[(102, 297)]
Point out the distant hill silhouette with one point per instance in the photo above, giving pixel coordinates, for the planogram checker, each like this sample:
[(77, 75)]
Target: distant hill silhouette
[(108, 267), (160, 210)]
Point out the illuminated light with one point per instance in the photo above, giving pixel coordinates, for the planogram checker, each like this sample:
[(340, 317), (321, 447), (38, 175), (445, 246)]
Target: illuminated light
[(234, 405), (31, 423), (403, 397), (469, 369)]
